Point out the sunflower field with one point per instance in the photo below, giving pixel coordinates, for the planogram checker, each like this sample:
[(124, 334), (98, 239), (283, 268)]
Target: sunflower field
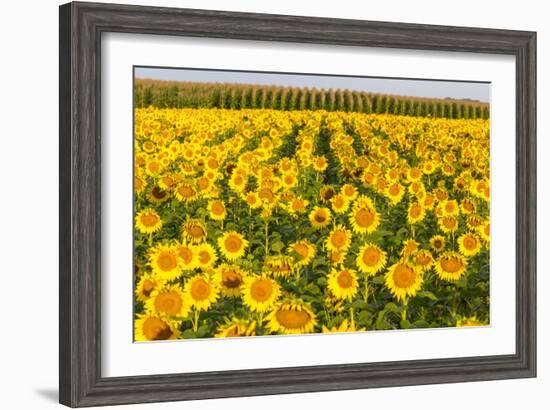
[(263, 222)]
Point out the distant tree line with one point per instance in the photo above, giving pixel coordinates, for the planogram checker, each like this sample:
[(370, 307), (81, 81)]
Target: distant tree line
[(175, 94)]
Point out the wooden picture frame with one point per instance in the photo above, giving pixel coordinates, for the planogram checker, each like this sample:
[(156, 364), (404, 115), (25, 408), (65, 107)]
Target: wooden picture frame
[(81, 27)]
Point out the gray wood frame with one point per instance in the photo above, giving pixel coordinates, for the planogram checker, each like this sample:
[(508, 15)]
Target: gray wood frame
[(81, 27)]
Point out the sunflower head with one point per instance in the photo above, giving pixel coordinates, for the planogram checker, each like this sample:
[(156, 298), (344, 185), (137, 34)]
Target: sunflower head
[(230, 279), (344, 326), (339, 239), (168, 301), (158, 194), (150, 327), (237, 328), (469, 244), (364, 218), (232, 245), (217, 210), (291, 317), (415, 213), (450, 266), (164, 261), (279, 265), (423, 259), (146, 285), (319, 217), (403, 280), (186, 192), (303, 252), (148, 221), (340, 203), (205, 256), (343, 283), (371, 259), (471, 321), (201, 292), (448, 224), (194, 231), (260, 293)]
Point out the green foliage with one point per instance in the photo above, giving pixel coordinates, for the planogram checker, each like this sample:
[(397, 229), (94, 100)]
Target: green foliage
[(172, 94)]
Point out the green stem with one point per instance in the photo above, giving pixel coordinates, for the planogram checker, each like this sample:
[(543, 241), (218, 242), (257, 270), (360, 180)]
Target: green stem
[(196, 321), (266, 237), (404, 311)]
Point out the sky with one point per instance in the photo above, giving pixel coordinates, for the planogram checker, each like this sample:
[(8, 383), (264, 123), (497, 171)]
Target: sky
[(407, 87)]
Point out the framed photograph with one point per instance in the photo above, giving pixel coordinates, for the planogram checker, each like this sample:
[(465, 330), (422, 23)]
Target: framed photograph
[(259, 204)]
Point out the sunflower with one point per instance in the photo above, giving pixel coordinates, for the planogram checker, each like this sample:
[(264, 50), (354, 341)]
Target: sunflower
[(468, 321), (450, 266), (158, 195), (395, 192), (185, 192), (252, 200), (187, 256), (336, 257), (304, 252), (148, 221), (291, 317), (349, 191), (217, 210), (485, 231), (230, 279), (194, 231), (409, 247), (345, 326), (260, 293), (168, 301), (415, 213), (474, 222), (467, 206), (469, 244), (139, 185), (339, 239), (423, 259), (297, 206), (319, 217), (343, 283), (437, 243), (414, 174), (448, 224), (449, 207), (320, 164), (326, 193), (164, 262), (278, 265), (149, 327), (146, 285), (340, 203), (237, 328), (167, 182), (201, 292), (232, 245), (403, 280), (289, 180), (206, 255), (237, 182), (364, 219), (371, 259), (428, 167)]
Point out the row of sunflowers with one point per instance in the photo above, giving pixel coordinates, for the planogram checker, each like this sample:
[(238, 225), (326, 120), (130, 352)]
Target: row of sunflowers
[(265, 222)]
